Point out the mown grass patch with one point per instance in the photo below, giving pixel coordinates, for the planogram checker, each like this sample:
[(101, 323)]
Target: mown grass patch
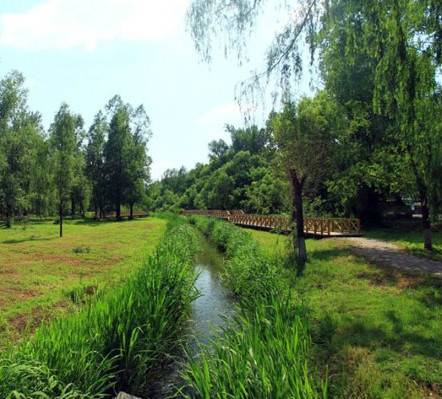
[(38, 269), (377, 330), (117, 340)]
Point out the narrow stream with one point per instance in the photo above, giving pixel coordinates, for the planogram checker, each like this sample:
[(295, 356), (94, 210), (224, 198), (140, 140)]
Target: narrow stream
[(208, 314), (214, 301)]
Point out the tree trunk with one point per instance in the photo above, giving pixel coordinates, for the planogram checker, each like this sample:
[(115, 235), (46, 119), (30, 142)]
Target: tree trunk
[(118, 211), (131, 215), (9, 216), (426, 222), (96, 216), (298, 218), (425, 209), (61, 219)]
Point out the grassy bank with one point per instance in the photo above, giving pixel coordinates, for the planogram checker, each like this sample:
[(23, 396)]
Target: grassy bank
[(265, 351), (114, 342), (41, 274), (377, 330)]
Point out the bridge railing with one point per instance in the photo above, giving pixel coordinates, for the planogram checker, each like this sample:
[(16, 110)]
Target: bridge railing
[(314, 226)]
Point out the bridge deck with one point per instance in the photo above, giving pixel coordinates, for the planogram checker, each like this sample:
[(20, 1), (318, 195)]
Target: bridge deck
[(316, 227)]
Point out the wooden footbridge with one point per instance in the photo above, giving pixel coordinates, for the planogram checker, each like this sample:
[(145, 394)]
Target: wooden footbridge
[(318, 227)]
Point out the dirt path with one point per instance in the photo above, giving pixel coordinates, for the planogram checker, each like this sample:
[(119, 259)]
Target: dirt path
[(387, 254)]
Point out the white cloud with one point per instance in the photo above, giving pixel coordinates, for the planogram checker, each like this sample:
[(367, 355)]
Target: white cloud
[(59, 24)]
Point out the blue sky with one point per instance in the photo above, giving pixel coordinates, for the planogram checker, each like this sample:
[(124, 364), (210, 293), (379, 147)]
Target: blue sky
[(84, 51)]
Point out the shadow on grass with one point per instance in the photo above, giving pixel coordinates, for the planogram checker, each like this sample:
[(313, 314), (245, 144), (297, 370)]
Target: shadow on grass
[(424, 288), (22, 240), (395, 336), (99, 222), (327, 254)]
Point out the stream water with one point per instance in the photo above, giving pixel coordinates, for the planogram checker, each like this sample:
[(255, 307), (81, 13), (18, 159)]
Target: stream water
[(209, 311), (214, 303)]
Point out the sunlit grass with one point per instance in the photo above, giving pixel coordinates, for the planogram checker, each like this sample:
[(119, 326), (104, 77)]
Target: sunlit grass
[(40, 271), (377, 330)]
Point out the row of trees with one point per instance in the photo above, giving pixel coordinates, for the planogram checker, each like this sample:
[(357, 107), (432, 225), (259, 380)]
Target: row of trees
[(68, 169), (374, 131)]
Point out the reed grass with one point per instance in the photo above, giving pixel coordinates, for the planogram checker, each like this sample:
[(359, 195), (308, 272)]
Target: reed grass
[(115, 341)]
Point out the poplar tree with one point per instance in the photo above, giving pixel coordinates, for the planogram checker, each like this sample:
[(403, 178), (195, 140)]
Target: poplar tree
[(139, 162), (95, 167), (63, 140), (125, 153), (80, 193), (117, 153)]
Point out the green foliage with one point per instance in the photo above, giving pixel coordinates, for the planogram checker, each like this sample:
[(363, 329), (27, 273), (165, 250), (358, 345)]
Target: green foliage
[(239, 176), (262, 354), (64, 139), (126, 162), (95, 162), (116, 340), (20, 142), (25, 378)]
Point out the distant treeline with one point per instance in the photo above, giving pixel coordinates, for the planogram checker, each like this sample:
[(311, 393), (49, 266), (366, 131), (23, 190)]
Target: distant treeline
[(238, 176), (69, 169)]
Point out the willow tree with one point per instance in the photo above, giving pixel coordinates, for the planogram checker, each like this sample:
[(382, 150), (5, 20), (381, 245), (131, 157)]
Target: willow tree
[(304, 133), (403, 37)]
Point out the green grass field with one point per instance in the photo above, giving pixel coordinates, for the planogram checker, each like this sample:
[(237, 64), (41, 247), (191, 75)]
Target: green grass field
[(377, 330), (43, 275)]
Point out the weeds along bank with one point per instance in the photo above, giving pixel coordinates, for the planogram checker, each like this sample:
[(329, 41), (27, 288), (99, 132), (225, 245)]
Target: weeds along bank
[(114, 342), (264, 352)]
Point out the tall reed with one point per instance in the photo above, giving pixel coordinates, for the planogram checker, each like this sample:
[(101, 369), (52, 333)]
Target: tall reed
[(117, 340)]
